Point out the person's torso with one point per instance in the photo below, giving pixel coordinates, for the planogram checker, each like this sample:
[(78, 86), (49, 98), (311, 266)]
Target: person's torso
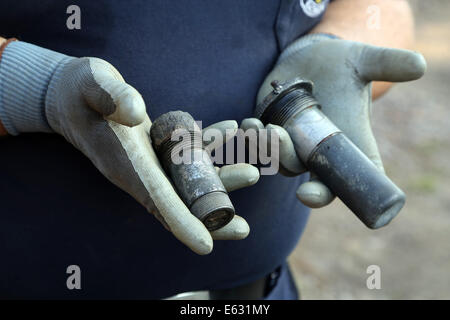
[(204, 57)]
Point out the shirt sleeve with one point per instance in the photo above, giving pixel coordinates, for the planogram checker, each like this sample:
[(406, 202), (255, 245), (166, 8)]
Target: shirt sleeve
[(296, 18)]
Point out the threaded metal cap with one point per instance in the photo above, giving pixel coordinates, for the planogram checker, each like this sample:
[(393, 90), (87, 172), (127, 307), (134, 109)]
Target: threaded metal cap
[(214, 209), (278, 92)]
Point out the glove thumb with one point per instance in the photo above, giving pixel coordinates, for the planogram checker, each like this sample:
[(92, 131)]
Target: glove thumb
[(106, 92), (388, 64)]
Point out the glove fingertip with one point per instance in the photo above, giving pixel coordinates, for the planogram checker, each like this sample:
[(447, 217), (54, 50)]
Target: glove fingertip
[(252, 175), (314, 194), (251, 123), (238, 176), (418, 66), (194, 235), (237, 229), (203, 247)]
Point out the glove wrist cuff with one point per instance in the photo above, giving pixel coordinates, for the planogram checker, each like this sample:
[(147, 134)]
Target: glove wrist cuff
[(304, 42), (52, 96), (25, 74)]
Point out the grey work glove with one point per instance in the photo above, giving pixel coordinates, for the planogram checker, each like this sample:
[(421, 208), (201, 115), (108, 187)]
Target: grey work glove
[(105, 118), (342, 72), (87, 101)]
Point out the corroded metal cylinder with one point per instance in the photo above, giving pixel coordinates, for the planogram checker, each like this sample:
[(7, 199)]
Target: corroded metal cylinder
[(178, 143), (326, 151)]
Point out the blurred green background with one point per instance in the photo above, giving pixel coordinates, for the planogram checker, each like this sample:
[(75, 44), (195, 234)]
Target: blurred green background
[(412, 126)]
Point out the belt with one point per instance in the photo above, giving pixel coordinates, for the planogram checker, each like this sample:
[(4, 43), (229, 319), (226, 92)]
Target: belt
[(254, 290)]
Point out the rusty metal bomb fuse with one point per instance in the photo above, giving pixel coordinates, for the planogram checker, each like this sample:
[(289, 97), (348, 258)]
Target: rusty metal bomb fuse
[(195, 179), (327, 152)]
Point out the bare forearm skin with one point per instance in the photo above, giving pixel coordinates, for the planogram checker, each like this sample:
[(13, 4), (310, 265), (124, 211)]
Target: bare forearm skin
[(357, 20), (2, 130)]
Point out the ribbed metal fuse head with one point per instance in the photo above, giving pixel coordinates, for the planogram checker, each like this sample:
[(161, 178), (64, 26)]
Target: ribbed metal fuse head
[(285, 100), (177, 140)]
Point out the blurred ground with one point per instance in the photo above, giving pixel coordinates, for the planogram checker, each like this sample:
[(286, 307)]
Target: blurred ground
[(412, 125)]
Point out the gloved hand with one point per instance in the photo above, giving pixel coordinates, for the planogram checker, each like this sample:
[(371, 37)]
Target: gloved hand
[(342, 72), (87, 101)]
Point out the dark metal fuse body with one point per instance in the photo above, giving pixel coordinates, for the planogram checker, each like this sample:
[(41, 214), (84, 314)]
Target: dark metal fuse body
[(178, 143), (327, 152)]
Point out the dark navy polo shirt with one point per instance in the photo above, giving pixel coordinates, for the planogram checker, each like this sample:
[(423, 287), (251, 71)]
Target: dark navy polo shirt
[(206, 57)]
